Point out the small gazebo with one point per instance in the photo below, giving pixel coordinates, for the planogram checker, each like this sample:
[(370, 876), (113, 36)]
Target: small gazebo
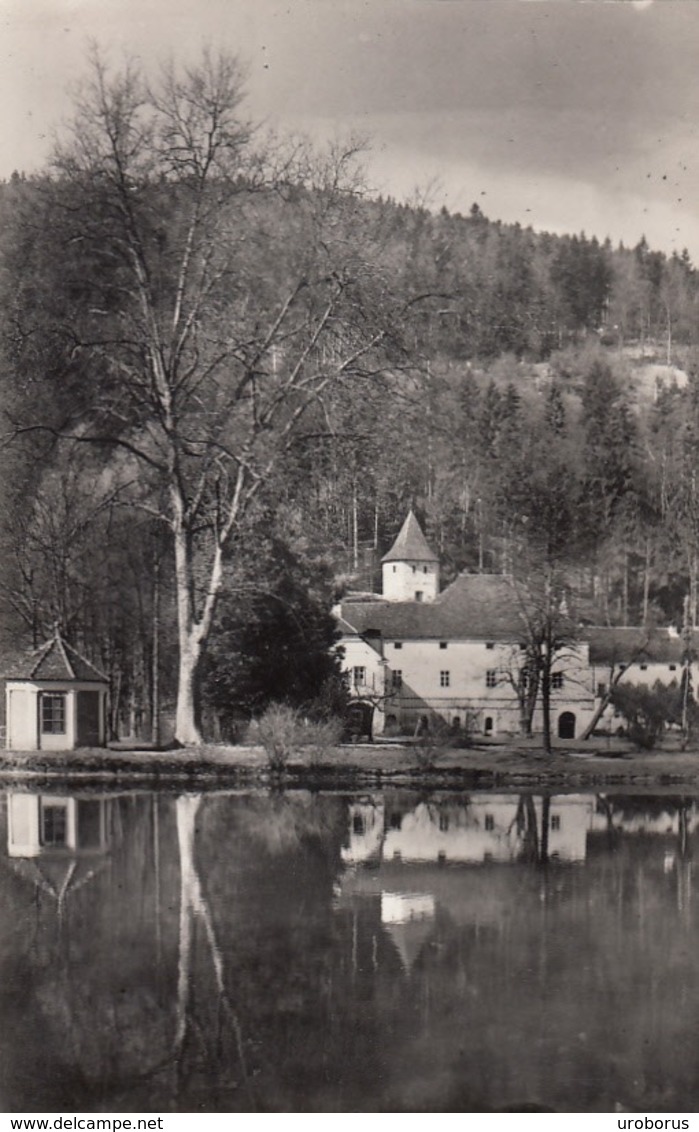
[(55, 700)]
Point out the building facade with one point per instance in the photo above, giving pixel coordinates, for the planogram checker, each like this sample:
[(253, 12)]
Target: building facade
[(55, 700), (414, 655)]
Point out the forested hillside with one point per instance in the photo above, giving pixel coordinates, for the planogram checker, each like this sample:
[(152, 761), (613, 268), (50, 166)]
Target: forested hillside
[(209, 351)]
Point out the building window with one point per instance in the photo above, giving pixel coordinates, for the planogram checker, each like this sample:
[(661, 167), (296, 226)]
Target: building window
[(53, 713), (557, 680), (555, 823), (398, 644), (601, 690), (490, 644), (358, 826), (397, 679), (489, 823), (444, 678), (54, 824), (442, 644), (644, 668), (443, 822), (358, 675), (673, 667), (396, 821), (418, 595), (413, 569), (394, 569), (491, 678), (424, 569)]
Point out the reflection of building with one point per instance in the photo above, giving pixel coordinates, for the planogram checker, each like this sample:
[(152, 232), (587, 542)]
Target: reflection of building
[(416, 864), (366, 831), (667, 820), (41, 825), (55, 700), (495, 827), (407, 917), (58, 843)]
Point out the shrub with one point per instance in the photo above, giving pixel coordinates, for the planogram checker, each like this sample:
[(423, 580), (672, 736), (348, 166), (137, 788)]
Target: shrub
[(278, 731), (646, 710), (283, 732), (432, 742), (320, 737)]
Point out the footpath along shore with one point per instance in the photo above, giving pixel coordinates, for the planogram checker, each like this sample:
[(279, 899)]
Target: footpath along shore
[(570, 766)]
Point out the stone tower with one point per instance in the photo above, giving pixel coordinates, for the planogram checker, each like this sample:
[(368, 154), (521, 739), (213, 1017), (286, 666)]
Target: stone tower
[(410, 570)]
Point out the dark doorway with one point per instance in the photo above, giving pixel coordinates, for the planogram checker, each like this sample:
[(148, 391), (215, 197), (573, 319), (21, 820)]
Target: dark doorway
[(88, 719), (566, 725), (358, 719)]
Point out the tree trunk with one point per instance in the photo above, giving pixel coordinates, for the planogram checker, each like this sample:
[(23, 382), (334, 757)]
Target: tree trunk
[(545, 827), (187, 730), (546, 704), (155, 658), (355, 530), (192, 632), (599, 712), (646, 583)]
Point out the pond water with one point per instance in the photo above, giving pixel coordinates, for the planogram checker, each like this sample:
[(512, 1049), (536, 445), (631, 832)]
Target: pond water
[(303, 952)]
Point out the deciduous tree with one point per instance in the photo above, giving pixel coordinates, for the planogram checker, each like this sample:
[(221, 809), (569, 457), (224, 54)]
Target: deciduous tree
[(212, 296)]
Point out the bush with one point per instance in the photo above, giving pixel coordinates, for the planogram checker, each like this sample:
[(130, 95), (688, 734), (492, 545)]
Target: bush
[(283, 732), (320, 737), (277, 730), (432, 742), (646, 710)]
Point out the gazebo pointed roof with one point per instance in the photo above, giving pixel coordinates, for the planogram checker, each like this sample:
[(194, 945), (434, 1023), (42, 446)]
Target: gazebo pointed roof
[(54, 660), (411, 544)]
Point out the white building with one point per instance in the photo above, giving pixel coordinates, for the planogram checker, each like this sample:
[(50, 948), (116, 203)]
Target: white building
[(55, 700), (413, 653), (631, 655)]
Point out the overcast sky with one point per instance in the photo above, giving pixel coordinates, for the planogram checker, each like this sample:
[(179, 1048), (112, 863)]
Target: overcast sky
[(569, 115)]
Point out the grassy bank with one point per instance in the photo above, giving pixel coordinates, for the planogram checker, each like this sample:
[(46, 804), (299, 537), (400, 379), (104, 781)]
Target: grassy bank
[(358, 765)]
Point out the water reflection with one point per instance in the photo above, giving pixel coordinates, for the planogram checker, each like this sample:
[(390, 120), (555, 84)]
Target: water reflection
[(389, 952)]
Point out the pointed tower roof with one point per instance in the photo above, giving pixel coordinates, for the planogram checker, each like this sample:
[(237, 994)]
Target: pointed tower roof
[(55, 660), (411, 544)]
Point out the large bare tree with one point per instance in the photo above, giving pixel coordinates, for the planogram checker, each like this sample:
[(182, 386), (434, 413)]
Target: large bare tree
[(213, 298)]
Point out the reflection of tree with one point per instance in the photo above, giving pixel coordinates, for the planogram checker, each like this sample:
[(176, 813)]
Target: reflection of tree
[(194, 907), (535, 840)]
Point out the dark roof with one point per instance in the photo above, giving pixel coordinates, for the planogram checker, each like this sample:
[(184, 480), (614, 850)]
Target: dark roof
[(622, 645), (55, 660), (474, 607), (482, 605), (411, 544), (345, 627)]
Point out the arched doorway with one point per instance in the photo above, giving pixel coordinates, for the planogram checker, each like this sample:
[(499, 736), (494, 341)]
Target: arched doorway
[(566, 725), (358, 720), (488, 725)]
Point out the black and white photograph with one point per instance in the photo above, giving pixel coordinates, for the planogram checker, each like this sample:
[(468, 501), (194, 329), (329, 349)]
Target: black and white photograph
[(349, 571)]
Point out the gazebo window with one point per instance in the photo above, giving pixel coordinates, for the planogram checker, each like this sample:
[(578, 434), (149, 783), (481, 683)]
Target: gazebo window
[(54, 822), (53, 713)]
